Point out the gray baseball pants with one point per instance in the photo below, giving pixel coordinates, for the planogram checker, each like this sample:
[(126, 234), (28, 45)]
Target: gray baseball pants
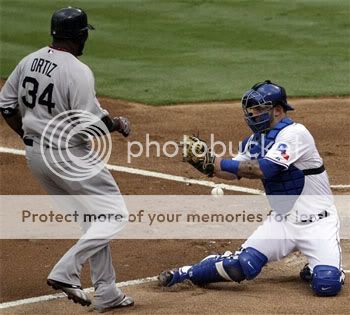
[(96, 251)]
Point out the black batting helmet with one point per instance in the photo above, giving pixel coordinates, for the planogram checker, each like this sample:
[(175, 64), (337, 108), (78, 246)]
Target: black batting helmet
[(68, 23)]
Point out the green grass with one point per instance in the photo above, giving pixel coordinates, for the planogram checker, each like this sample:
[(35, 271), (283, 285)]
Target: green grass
[(181, 51)]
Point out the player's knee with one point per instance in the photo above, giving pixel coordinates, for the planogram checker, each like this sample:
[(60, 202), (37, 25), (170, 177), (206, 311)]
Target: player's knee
[(251, 261), (230, 267), (326, 280)]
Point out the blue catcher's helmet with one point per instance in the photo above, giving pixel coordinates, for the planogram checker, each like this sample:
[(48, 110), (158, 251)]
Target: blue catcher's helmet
[(257, 104)]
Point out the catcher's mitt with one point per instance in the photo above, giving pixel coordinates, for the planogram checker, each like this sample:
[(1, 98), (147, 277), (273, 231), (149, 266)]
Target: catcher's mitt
[(197, 153)]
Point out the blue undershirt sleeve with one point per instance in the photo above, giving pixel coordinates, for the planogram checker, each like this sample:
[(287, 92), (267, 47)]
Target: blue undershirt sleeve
[(230, 166), (270, 169)]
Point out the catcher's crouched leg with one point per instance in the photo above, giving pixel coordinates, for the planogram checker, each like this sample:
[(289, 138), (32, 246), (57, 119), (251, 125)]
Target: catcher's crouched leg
[(246, 264), (326, 280)]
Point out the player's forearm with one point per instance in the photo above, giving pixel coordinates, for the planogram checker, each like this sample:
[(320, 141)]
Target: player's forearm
[(109, 123), (248, 169), (222, 174), (119, 124), (100, 128)]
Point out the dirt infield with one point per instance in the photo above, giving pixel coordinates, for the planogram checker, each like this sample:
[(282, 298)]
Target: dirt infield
[(25, 264)]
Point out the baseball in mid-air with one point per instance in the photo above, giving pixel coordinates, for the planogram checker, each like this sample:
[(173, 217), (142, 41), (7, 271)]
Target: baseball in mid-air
[(217, 191)]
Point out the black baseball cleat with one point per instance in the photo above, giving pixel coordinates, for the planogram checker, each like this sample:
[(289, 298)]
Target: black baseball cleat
[(305, 273), (73, 292), (166, 278), (126, 301)]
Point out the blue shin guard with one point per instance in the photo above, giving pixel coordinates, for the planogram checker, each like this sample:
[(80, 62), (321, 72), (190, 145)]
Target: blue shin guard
[(227, 267), (215, 268)]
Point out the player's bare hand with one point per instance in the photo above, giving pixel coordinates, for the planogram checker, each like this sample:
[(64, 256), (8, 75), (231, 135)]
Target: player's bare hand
[(122, 125)]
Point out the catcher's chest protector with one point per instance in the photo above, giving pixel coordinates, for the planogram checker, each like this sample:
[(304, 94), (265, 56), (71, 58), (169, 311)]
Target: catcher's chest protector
[(288, 182)]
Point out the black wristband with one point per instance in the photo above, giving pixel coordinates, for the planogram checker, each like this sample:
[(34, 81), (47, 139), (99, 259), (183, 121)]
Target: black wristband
[(110, 123)]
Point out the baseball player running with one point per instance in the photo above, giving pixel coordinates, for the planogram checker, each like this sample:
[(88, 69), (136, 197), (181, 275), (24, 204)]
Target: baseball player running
[(283, 154), (44, 85)]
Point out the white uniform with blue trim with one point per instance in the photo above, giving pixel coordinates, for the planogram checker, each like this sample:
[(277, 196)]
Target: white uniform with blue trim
[(318, 240)]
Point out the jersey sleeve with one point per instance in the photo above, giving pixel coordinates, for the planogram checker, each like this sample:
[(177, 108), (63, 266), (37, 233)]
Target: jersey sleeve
[(243, 154), (9, 92), (289, 147), (82, 95)]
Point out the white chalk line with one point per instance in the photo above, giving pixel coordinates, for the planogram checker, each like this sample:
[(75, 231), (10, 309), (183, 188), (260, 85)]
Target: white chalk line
[(181, 179), (175, 178), (51, 297), (340, 186), (12, 151)]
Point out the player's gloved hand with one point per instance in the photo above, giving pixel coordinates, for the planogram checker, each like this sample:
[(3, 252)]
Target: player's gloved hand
[(122, 125), (198, 154)]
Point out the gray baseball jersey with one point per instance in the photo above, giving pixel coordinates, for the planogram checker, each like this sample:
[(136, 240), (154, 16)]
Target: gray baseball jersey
[(46, 83)]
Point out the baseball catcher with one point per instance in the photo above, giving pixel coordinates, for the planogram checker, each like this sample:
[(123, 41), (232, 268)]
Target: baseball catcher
[(283, 154)]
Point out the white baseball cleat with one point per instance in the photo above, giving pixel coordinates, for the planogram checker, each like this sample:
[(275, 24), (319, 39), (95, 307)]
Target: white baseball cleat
[(125, 302)]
